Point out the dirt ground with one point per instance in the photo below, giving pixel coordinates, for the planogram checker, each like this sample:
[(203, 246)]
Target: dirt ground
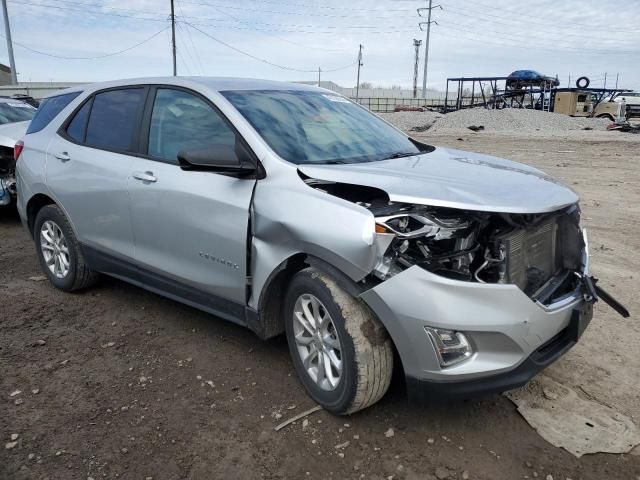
[(117, 382)]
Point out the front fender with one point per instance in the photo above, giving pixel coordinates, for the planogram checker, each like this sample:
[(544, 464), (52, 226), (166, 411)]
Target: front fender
[(291, 218)]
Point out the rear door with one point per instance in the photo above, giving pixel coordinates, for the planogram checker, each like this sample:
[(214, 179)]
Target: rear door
[(190, 227), (88, 165)]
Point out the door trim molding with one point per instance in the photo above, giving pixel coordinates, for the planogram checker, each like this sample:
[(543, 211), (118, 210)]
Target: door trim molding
[(139, 276)]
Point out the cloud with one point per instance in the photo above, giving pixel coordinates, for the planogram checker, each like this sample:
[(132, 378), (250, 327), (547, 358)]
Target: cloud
[(484, 37)]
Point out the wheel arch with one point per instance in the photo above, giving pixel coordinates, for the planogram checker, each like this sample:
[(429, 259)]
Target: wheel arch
[(268, 321), (34, 205)]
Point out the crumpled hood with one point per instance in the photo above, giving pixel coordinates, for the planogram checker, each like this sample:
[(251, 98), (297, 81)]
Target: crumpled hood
[(10, 133), (456, 179)]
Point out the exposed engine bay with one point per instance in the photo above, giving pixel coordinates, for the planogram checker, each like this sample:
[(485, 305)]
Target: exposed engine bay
[(530, 251), (538, 253)]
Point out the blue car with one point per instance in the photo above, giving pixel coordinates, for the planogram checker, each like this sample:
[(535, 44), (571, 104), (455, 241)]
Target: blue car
[(530, 78)]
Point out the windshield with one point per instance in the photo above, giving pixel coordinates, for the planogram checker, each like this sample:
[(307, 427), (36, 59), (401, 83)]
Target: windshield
[(16, 112), (317, 127)]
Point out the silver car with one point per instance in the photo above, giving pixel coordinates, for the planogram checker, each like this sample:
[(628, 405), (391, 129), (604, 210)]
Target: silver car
[(289, 209)]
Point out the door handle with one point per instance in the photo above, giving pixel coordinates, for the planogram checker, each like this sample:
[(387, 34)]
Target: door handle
[(145, 177), (62, 156)]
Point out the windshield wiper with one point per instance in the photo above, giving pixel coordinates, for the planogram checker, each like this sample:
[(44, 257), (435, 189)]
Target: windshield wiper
[(333, 162), (400, 155)]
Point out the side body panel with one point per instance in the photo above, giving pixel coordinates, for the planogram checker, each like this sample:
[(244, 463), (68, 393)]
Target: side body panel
[(290, 217), (192, 227), (92, 188)]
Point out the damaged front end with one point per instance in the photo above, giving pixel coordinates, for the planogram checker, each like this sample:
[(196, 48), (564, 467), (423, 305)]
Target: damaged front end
[(544, 255), (538, 253)]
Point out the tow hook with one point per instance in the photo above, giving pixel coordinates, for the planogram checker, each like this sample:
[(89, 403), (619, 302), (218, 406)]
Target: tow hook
[(592, 292)]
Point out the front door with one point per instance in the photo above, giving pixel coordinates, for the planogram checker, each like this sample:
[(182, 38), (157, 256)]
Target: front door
[(190, 227)]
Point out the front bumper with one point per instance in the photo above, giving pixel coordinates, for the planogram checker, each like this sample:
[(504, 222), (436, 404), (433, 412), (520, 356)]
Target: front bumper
[(513, 337)]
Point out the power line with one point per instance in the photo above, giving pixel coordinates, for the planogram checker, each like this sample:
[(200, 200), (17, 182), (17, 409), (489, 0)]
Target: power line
[(233, 27), (82, 10), (233, 17), (26, 47), (283, 67), (327, 7), (281, 12), (537, 45), (195, 50), (545, 23), (545, 33)]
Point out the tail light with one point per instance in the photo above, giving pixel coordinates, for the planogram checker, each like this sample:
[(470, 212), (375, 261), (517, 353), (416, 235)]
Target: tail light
[(17, 150)]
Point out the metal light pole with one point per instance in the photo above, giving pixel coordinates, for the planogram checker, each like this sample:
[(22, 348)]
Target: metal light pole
[(416, 44), (173, 39), (7, 30), (426, 44), (358, 80)]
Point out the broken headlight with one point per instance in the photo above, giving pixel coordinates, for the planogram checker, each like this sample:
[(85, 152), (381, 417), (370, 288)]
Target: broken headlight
[(418, 235)]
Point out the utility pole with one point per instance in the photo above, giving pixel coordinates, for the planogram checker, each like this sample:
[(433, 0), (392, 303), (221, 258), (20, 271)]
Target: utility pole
[(7, 30), (605, 80), (569, 82), (416, 44), (319, 70), (173, 38), (426, 44), (617, 75), (359, 65)]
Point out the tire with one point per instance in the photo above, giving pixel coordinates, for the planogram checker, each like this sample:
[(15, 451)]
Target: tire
[(606, 115), (78, 274), (365, 348), (582, 82)]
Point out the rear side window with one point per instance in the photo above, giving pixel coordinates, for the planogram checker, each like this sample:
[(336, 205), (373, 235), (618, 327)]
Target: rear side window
[(78, 125), (113, 119), (49, 109)]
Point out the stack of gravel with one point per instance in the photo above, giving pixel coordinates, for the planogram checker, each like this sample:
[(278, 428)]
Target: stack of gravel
[(506, 120), (412, 121)]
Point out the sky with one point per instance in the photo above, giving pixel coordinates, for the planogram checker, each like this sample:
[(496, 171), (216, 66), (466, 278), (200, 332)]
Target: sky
[(291, 39)]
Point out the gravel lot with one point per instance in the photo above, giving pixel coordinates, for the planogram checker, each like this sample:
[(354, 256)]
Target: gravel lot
[(116, 382), (508, 120)]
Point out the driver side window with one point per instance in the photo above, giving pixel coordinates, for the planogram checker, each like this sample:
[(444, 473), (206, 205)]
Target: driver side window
[(181, 120)]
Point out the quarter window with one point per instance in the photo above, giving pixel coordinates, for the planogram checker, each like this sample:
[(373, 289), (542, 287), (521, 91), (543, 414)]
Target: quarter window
[(181, 121), (114, 117), (49, 109), (78, 126)]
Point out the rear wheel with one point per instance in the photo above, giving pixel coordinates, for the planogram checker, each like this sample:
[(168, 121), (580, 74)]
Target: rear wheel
[(59, 252), (341, 352)]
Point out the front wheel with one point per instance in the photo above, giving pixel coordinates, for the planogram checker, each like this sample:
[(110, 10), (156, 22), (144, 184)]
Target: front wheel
[(340, 350)]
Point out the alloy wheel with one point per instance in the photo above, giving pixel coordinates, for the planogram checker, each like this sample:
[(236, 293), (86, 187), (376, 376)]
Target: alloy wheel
[(55, 250), (317, 342)]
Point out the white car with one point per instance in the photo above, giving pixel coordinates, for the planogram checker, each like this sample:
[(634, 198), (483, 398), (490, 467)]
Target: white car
[(630, 98), (14, 119)]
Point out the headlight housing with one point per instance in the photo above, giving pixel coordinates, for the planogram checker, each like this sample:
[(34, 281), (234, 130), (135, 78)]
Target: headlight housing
[(408, 235), (452, 347)]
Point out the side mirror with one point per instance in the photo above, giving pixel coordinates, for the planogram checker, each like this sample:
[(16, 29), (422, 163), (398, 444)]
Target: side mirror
[(217, 158)]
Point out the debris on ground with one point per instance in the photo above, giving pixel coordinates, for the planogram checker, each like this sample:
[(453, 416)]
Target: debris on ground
[(565, 419), (306, 413)]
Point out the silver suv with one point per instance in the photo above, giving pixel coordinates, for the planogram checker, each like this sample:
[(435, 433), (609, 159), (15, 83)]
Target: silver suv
[(288, 208)]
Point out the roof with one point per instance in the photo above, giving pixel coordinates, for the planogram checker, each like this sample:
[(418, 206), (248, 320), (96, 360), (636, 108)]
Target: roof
[(219, 84)]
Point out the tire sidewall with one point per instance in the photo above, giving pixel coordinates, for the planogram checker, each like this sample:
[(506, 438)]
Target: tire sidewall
[(339, 399), (53, 213)]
